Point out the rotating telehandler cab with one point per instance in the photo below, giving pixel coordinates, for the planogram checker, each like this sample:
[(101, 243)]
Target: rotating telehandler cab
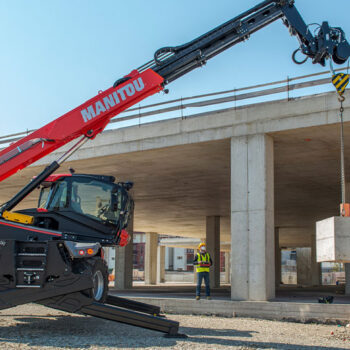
[(53, 254)]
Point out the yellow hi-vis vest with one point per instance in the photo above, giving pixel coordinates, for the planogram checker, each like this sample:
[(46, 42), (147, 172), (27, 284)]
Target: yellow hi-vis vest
[(203, 259)]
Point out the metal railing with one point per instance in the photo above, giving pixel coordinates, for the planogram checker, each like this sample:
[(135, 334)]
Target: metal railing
[(211, 99)]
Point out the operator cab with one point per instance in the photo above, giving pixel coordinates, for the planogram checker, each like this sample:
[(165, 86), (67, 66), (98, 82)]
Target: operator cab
[(94, 196), (86, 208)]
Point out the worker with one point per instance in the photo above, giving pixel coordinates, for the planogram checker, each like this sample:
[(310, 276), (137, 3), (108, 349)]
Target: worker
[(202, 261)]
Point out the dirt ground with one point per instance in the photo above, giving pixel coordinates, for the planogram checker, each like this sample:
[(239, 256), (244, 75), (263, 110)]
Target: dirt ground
[(36, 327)]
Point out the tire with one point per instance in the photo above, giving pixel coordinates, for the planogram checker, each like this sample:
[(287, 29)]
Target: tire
[(99, 275)]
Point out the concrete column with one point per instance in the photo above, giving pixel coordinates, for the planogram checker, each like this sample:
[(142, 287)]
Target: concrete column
[(213, 247), (161, 264), (278, 261), (151, 258), (227, 267), (347, 278), (252, 218), (124, 262), (194, 268), (316, 272), (308, 270), (171, 258), (304, 274)]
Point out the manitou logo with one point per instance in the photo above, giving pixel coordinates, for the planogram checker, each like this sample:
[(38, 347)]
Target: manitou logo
[(112, 100)]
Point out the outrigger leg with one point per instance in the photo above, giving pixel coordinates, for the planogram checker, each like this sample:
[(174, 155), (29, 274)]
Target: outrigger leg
[(117, 309)]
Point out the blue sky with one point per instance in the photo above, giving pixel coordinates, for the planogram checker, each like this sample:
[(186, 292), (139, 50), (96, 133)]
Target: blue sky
[(56, 54)]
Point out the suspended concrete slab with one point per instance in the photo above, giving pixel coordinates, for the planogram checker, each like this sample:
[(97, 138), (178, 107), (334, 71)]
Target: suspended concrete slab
[(333, 240)]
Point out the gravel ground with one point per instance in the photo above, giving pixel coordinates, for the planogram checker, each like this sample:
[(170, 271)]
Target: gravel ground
[(36, 327)]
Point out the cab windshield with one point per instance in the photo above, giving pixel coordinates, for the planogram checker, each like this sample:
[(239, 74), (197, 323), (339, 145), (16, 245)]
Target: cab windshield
[(93, 198), (102, 201)]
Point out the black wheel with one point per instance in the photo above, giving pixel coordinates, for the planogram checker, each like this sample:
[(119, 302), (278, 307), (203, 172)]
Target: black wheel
[(99, 275)]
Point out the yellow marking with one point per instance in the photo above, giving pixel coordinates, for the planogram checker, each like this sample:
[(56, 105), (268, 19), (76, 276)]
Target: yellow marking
[(337, 77), (17, 217), (340, 84)]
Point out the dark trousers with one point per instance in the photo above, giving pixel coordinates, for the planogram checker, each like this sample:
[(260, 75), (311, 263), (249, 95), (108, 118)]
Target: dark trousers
[(200, 277)]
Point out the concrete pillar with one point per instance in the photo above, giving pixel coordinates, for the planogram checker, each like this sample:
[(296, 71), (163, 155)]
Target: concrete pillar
[(252, 218), (227, 267), (304, 274), (124, 262), (213, 247), (278, 262), (161, 264), (151, 258), (171, 258), (308, 269), (347, 278), (195, 267), (316, 272)]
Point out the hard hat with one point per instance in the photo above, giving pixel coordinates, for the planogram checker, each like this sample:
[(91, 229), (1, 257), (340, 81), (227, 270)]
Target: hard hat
[(201, 245)]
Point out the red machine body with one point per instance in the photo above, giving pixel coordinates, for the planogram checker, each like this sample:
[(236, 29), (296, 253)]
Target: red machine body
[(89, 119), (56, 177)]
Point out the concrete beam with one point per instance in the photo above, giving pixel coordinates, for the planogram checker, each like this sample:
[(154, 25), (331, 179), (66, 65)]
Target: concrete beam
[(268, 117), (295, 237), (190, 243), (252, 218)]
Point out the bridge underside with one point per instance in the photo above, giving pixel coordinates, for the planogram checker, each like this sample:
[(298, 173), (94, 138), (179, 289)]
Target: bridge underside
[(177, 188)]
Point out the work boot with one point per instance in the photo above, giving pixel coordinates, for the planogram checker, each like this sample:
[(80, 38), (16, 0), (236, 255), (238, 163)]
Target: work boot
[(208, 298), (198, 297)]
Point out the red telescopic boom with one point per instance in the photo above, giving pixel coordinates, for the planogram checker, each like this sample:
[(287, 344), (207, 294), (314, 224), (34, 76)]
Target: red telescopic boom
[(169, 64), (89, 119)]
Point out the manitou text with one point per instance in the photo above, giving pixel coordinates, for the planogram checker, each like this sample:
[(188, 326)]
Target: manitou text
[(112, 100)]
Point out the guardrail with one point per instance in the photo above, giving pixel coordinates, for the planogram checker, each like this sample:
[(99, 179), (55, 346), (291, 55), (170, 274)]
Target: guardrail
[(234, 95)]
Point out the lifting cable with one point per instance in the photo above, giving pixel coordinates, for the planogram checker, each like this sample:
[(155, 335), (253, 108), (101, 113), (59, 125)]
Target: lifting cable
[(340, 82)]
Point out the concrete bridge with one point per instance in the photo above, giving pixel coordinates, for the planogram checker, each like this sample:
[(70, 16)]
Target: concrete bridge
[(258, 176)]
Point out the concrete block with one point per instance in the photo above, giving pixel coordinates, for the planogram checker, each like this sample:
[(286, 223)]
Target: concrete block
[(333, 239), (300, 312)]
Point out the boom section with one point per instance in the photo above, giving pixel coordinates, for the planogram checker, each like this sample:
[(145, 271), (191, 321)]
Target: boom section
[(170, 63), (173, 62), (89, 119)]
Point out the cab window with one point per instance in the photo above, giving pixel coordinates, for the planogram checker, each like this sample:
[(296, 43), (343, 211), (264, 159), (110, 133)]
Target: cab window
[(58, 198)]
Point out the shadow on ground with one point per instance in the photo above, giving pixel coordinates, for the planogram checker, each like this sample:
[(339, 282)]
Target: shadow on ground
[(79, 332)]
